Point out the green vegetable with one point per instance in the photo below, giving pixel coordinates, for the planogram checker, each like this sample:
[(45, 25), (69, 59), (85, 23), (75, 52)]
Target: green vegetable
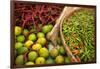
[(78, 31)]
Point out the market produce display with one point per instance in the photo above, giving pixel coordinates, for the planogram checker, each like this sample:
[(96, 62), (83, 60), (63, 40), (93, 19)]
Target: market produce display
[(33, 22), (79, 33)]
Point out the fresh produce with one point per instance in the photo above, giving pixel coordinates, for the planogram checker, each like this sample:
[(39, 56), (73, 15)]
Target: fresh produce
[(43, 52), (19, 60), (36, 44), (47, 28), (29, 63), (28, 43), (20, 38), (32, 56), (78, 31), (50, 26), (41, 41), (33, 22), (32, 37), (50, 61), (40, 60), (40, 34), (18, 45), (54, 52), (36, 47), (62, 50), (22, 50), (67, 60), (59, 59), (25, 32), (18, 30)]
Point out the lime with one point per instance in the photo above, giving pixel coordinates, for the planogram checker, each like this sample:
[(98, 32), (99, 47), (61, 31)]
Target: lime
[(18, 30), (20, 38), (59, 59), (32, 37), (40, 34), (18, 45), (29, 63), (47, 28), (40, 60), (28, 43), (22, 50), (32, 56), (19, 60), (36, 47), (41, 41), (43, 52)]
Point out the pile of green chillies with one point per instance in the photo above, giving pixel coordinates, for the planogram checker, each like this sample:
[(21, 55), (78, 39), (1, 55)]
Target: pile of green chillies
[(79, 33)]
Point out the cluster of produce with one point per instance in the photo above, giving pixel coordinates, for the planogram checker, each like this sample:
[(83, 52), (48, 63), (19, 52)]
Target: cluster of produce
[(33, 48), (34, 21), (79, 34)]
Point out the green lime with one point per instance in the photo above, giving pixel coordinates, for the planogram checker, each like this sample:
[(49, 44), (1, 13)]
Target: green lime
[(62, 50), (28, 43), (32, 37), (36, 47), (18, 45), (22, 50), (50, 61), (19, 60), (41, 41), (20, 38), (46, 28), (25, 32), (29, 63), (40, 60), (50, 26), (43, 52), (18, 30), (40, 34), (32, 56), (54, 52), (67, 60), (59, 59)]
